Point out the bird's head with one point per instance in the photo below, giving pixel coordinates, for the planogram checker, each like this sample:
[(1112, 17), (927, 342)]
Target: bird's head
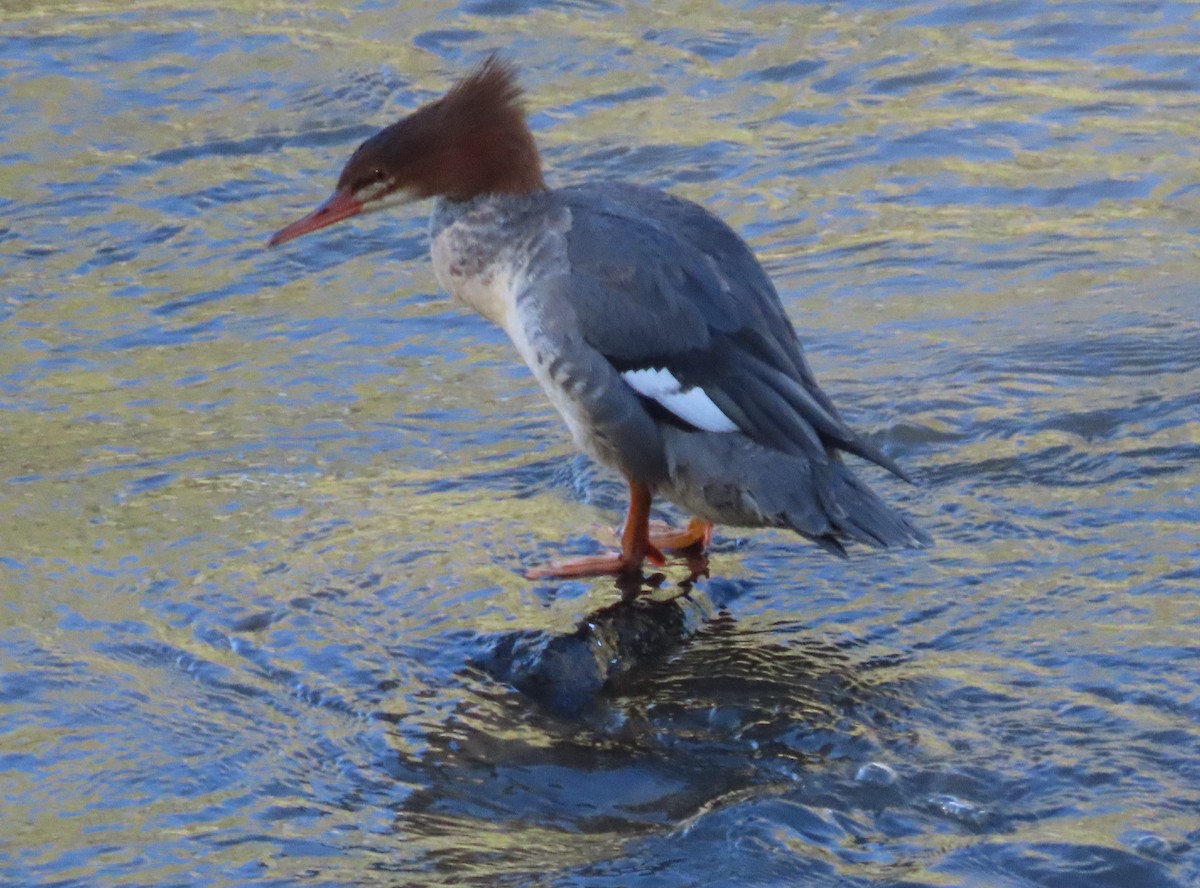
[(472, 141)]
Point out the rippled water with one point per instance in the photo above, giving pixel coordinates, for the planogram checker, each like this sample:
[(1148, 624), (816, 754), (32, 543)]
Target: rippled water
[(265, 508)]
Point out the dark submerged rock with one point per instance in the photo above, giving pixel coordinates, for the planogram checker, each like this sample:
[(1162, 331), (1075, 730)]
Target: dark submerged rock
[(567, 672)]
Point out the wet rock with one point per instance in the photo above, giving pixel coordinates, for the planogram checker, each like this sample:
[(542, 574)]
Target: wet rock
[(567, 672)]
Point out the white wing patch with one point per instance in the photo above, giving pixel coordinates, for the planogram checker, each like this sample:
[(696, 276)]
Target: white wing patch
[(691, 404)]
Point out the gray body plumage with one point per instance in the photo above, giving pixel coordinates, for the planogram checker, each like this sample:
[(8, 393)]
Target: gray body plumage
[(604, 286)]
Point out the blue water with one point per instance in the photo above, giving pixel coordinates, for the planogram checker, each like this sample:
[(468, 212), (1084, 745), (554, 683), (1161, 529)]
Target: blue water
[(265, 508)]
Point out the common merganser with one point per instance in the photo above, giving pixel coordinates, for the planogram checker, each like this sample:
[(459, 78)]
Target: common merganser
[(649, 323)]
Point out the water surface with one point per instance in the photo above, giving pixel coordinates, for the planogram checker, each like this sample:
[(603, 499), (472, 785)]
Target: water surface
[(263, 508)]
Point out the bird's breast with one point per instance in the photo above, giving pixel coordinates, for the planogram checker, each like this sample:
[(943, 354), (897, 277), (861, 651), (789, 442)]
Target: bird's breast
[(475, 271), (511, 272)]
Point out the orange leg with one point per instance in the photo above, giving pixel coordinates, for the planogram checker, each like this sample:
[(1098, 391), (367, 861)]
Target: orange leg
[(636, 547), (697, 535)]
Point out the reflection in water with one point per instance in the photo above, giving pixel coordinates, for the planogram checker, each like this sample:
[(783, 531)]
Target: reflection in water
[(726, 721), (262, 619)]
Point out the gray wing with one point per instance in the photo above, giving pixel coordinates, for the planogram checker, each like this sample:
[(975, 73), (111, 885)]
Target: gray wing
[(658, 283)]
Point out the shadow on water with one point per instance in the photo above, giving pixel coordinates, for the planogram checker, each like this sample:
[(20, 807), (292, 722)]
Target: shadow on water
[(659, 736), (650, 714)]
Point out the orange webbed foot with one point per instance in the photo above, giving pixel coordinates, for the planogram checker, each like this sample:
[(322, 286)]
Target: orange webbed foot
[(636, 547), (696, 536), (608, 565)]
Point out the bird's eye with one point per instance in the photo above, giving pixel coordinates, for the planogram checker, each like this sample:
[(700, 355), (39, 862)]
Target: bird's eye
[(373, 177)]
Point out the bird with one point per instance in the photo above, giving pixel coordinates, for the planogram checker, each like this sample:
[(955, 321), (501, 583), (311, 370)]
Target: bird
[(647, 321)]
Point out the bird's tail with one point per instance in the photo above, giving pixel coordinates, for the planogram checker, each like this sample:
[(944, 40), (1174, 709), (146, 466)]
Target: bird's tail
[(837, 506), (732, 480)]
